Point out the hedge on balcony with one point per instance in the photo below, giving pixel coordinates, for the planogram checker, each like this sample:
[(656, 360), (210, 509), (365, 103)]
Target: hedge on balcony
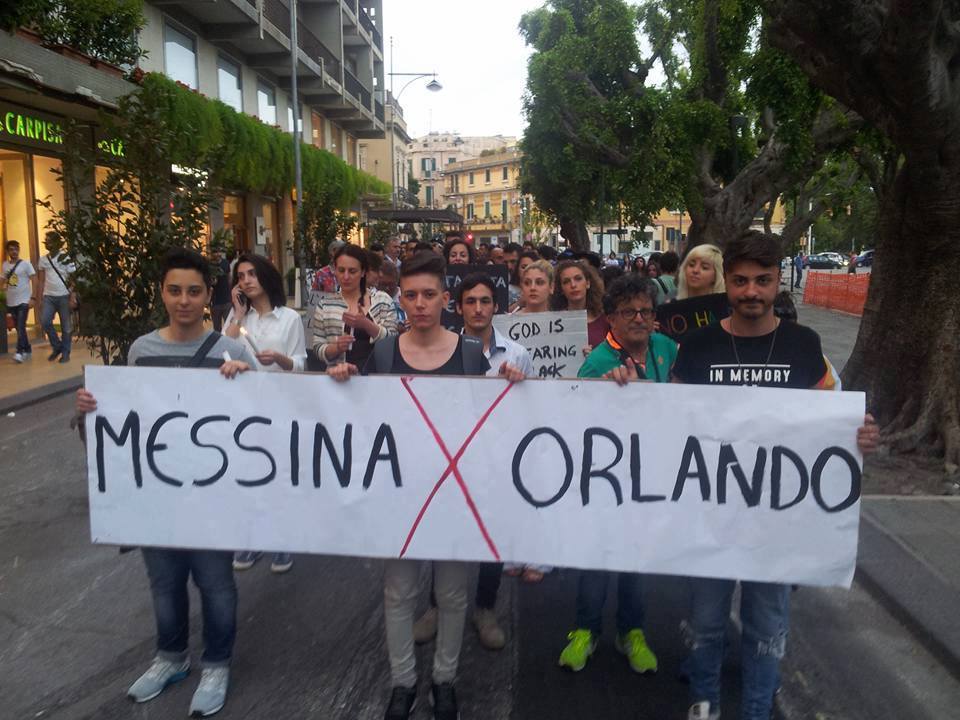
[(244, 154)]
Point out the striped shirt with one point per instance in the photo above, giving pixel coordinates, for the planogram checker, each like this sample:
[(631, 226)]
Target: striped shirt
[(327, 321)]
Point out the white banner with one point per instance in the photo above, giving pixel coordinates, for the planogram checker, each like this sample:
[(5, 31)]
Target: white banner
[(555, 340), (746, 483)]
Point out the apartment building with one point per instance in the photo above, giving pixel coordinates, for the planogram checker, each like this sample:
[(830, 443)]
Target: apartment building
[(238, 51), (486, 192), (375, 154), (429, 156)]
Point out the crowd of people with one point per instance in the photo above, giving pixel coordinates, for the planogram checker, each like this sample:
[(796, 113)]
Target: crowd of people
[(379, 312)]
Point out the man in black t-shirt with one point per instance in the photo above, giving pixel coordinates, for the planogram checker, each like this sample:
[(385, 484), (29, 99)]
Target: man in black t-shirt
[(427, 348), (751, 347)]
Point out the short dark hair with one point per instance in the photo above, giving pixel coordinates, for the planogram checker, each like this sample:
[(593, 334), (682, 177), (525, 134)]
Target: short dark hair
[(388, 268), (374, 261), (512, 247), (530, 254), (753, 246), (783, 306), (610, 273), (267, 275), (179, 258), (425, 263), (547, 252), (473, 280), (625, 288), (376, 247), (10, 243), (450, 244), (669, 262)]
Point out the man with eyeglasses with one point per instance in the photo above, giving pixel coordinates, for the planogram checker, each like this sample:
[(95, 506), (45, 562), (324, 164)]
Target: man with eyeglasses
[(631, 351)]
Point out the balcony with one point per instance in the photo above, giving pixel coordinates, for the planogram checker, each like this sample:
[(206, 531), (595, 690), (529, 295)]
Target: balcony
[(353, 86), (378, 112), (367, 23)]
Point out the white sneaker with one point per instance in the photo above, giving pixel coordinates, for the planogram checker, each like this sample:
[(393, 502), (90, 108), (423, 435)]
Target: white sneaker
[(158, 676), (701, 711), (18, 357), (211, 694)]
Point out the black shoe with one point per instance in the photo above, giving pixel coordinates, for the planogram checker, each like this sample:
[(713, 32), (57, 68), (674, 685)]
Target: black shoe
[(402, 703), (444, 701), (54, 355), (65, 358)]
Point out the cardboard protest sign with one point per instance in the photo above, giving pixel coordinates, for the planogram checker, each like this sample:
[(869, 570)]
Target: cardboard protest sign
[(555, 340), (479, 470), (455, 275), (680, 317)]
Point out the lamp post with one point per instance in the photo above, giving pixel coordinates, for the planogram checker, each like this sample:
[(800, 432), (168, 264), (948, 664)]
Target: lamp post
[(432, 86)]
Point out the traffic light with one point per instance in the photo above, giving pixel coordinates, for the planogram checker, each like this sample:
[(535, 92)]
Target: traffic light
[(469, 237)]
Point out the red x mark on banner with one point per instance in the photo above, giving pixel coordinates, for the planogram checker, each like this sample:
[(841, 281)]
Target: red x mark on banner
[(452, 467)]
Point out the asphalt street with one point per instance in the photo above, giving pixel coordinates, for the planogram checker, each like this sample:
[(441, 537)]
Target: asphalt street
[(76, 628)]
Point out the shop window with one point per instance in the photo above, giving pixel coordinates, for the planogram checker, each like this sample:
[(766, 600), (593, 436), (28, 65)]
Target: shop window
[(266, 103), (235, 221), (47, 188), (290, 120), (179, 56), (317, 131), (229, 84)]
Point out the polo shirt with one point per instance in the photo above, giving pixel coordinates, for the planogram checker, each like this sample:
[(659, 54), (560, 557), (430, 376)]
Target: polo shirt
[(661, 353)]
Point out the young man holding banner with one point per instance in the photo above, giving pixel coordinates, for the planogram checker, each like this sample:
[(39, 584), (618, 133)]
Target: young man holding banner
[(751, 347), (631, 351), (427, 348), (186, 289)]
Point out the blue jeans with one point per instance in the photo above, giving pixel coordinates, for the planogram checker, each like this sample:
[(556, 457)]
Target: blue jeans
[(212, 572), (765, 613), (592, 595), (56, 305), (20, 313)]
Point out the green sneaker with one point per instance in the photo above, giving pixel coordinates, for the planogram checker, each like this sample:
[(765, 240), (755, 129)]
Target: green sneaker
[(639, 655), (578, 650)]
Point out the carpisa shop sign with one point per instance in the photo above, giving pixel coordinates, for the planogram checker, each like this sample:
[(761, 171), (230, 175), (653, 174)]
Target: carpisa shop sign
[(722, 483), (23, 126)]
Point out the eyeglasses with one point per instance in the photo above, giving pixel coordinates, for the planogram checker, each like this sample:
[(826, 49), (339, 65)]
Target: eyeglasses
[(631, 313)]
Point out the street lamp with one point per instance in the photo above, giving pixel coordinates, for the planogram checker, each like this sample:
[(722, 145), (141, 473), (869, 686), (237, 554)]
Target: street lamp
[(432, 86)]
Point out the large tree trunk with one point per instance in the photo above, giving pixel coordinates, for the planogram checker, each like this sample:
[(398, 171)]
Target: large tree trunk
[(907, 356), (575, 233), (895, 62)]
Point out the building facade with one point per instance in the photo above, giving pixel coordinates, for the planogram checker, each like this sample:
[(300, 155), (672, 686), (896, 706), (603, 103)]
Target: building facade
[(238, 51), (375, 154), (486, 192), (430, 156)]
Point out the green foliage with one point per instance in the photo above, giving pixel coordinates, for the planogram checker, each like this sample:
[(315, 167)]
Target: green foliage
[(381, 230), (244, 154), (118, 237), (322, 222), (104, 29)]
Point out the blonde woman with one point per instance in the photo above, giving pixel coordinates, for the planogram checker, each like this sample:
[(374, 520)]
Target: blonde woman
[(536, 287), (701, 273)]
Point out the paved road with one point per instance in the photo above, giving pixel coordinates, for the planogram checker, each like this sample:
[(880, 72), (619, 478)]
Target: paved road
[(76, 628)]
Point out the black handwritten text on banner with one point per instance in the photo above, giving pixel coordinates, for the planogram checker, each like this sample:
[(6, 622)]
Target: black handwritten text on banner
[(722, 484)]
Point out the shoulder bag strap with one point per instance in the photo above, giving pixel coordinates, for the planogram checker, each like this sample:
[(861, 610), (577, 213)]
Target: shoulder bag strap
[(202, 351), (54, 266), (471, 352), (13, 269), (383, 353)]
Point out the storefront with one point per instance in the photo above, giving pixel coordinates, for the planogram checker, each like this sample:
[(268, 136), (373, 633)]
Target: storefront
[(31, 152)]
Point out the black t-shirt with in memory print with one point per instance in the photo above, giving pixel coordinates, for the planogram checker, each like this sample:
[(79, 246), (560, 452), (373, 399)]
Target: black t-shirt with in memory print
[(707, 357)]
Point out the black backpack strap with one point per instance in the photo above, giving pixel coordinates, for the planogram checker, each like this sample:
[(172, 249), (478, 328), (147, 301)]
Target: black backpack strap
[(13, 269), (383, 353), (201, 354), (471, 351)]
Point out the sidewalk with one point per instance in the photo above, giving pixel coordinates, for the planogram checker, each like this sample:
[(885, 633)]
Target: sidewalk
[(23, 384), (908, 559)]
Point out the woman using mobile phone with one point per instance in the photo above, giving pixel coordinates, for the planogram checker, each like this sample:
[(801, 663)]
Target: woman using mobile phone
[(348, 324), (261, 319)]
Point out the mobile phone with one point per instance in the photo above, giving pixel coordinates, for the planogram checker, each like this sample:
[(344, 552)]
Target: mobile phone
[(243, 299)]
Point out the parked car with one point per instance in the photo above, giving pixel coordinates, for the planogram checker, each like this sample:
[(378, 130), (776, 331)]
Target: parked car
[(865, 259), (837, 257), (822, 261)]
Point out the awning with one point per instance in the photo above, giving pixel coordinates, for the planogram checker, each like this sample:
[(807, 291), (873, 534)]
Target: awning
[(416, 215)]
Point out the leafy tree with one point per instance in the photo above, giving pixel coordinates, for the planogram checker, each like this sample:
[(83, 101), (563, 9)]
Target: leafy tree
[(894, 63), (734, 125), (118, 236)]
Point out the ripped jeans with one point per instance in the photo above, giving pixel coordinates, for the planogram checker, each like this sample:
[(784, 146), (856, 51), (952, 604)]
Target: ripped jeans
[(765, 613)]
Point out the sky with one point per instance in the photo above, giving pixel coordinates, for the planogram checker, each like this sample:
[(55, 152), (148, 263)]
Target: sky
[(477, 53)]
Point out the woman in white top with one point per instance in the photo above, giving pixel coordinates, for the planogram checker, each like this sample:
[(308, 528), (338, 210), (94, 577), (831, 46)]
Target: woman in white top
[(261, 318)]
